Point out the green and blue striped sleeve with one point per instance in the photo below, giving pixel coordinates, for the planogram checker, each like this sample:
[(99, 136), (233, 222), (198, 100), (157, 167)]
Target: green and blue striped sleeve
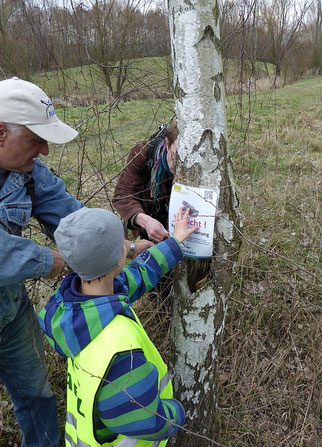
[(129, 403), (146, 270)]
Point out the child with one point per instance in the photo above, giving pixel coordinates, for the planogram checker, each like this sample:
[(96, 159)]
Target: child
[(118, 389)]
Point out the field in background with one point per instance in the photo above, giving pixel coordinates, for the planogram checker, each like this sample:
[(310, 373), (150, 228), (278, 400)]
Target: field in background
[(146, 78), (149, 77), (270, 372)]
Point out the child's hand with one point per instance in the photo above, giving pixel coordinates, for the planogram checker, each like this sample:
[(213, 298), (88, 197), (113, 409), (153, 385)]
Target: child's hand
[(181, 231)]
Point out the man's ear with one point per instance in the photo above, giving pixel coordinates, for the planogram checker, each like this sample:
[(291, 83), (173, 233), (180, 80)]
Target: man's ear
[(3, 133)]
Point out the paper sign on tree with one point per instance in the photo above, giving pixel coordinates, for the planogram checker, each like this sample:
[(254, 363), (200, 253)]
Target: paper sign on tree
[(202, 203)]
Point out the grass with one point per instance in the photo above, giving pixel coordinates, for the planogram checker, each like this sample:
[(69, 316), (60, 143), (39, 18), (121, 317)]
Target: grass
[(270, 371), (145, 78), (269, 374)]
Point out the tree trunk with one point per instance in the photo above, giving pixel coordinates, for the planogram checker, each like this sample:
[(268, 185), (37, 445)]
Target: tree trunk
[(317, 50), (201, 287)]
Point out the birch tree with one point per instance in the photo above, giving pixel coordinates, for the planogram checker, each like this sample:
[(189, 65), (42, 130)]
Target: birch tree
[(202, 288)]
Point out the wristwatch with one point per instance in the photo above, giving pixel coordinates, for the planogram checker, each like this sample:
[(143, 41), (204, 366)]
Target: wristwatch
[(131, 250)]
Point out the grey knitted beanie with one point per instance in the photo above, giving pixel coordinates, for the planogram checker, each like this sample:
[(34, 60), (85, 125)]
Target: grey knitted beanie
[(90, 241)]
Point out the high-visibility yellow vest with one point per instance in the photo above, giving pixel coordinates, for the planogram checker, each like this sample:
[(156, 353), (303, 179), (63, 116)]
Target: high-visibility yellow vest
[(84, 378)]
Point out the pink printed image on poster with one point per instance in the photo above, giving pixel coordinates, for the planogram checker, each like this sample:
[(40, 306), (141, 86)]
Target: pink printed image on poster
[(202, 204)]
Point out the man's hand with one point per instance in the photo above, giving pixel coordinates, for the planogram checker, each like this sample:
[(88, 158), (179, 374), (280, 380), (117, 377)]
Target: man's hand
[(181, 231), (58, 265), (153, 227)]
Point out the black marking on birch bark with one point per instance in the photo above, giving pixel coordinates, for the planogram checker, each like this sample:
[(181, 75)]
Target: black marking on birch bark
[(192, 176), (174, 52), (216, 12), (195, 336), (219, 315), (209, 34), (204, 313), (208, 362), (178, 92), (217, 92), (219, 77), (184, 326), (190, 6), (222, 146), (206, 135), (173, 24)]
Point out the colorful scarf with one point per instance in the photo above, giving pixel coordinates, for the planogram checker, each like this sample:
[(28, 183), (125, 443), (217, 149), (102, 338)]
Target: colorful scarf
[(160, 173)]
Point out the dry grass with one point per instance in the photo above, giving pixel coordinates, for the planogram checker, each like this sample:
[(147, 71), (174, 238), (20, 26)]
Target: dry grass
[(270, 366), (255, 83)]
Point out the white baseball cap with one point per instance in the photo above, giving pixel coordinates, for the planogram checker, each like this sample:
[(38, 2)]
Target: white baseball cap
[(24, 103)]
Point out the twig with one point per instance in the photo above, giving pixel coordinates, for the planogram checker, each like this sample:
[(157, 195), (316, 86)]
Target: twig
[(146, 409), (271, 252)]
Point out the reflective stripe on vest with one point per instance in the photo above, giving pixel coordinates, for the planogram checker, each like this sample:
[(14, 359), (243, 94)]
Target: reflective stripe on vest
[(72, 443), (71, 419), (164, 382), (84, 381)]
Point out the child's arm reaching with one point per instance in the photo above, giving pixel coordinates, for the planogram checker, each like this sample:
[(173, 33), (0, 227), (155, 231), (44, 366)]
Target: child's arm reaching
[(144, 272)]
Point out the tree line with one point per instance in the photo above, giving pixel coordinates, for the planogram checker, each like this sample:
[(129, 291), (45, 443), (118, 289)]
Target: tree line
[(42, 36)]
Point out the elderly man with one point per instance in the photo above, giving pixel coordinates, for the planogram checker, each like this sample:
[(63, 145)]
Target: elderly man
[(27, 188)]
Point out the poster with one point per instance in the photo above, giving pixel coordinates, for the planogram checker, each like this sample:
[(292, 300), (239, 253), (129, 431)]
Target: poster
[(202, 203)]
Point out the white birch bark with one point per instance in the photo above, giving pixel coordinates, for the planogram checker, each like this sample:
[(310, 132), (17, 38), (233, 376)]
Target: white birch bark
[(201, 288)]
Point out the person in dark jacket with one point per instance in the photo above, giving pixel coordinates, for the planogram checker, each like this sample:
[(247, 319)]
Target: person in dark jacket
[(143, 190)]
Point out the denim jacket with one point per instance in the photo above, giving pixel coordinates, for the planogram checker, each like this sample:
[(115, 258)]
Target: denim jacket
[(21, 258)]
